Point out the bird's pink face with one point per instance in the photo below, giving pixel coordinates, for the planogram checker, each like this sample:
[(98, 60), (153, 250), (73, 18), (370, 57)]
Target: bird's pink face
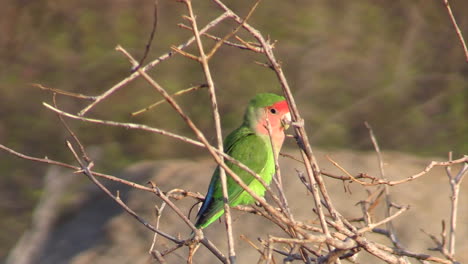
[(279, 117)]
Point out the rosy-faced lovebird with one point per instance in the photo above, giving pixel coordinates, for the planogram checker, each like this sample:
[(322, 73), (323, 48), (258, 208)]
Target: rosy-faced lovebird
[(251, 145)]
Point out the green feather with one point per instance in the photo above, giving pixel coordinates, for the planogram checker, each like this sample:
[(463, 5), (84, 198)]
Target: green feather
[(254, 151)]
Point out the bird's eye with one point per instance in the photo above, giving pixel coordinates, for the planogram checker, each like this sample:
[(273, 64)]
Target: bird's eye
[(273, 111)]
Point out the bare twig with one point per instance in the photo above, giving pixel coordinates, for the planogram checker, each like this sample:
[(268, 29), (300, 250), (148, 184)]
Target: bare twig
[(348, 244), (232, 33), (166, 200), (158, 212), (229, 43), (388, 200), (428, 168), (441, 245), (185, 54), (75, 168), (66, 93), (336, 164), (384, 221), (150, 40), (457, 29), (126, 125), (376, 181), (70, 131), (157, 255), (455, 182), (277, 175), (406, 253), (191, 89)]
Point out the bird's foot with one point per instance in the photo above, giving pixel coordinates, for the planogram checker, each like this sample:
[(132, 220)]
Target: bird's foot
[(298, 123)]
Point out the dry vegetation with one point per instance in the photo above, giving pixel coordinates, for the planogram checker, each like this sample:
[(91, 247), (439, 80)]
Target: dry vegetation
[(333, 238)]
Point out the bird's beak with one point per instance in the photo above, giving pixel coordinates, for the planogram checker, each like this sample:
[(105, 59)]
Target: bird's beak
[(286, 121)]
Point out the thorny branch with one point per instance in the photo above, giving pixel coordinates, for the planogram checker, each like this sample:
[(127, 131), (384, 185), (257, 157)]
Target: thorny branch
[(331, 238)]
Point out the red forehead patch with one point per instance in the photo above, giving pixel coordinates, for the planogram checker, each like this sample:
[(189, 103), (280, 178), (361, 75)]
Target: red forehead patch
[(282, 106)]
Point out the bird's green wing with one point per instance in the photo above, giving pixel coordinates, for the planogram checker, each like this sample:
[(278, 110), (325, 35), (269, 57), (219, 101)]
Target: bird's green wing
[(251, 150), (255, 152)]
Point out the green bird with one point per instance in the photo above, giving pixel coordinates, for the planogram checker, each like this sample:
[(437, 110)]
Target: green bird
[(251, 145)]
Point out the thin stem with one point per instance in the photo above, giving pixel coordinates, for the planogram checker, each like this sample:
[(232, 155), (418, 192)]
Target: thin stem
[(383, 221), (159, 211), (388, 201), (75, 168), (316, 195), (455, 182), (126, 125), (232, 33), (66, 93), (316, 239), (229, 43), (166, 200), (277, 179), (453, 217), (457, 29), (190, 89)]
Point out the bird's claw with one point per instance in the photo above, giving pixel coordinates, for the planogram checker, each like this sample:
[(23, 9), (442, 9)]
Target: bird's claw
[(298, 123)]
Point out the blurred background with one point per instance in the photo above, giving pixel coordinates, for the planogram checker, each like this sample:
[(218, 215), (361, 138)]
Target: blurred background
[(396, 64)]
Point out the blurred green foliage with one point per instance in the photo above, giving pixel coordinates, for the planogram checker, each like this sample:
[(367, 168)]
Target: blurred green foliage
[(396, 64)]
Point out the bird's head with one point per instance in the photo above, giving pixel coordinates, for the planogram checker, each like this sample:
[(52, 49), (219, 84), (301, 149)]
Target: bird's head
[(269, 108)]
